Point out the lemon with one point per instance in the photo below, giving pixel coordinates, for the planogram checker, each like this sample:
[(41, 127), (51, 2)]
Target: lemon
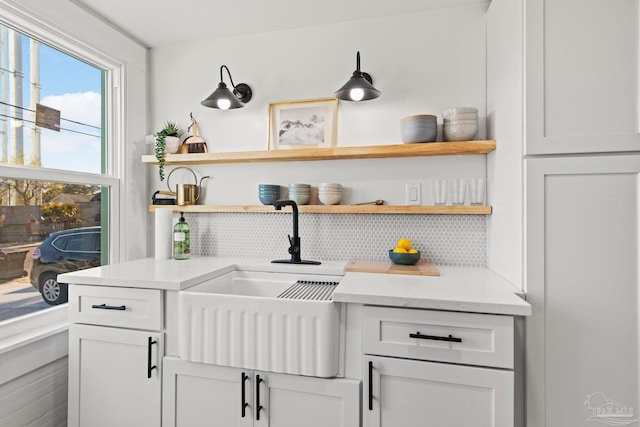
[(400, 250), (404, 243), (413, 251)]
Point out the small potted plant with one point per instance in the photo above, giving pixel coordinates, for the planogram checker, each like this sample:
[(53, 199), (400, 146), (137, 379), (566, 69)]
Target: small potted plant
[(167, 141)]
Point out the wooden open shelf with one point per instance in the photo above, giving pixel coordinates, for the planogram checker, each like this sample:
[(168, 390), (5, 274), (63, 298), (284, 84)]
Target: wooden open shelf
[(337, 153), (336, 209)]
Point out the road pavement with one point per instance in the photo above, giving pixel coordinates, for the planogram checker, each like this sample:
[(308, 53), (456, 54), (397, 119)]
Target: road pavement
[(17, 296)]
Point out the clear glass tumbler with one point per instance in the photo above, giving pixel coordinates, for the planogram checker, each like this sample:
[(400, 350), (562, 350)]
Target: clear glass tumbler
[(457, 188), (477, 190), (439, 191)]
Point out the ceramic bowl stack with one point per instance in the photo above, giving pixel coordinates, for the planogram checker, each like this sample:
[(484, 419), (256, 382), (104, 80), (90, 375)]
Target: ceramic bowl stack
[(329, 193), (268, 193), (300, 193), (460, 123), (420, 128)]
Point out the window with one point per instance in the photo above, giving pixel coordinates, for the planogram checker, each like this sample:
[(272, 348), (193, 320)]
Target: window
[(56, 190)]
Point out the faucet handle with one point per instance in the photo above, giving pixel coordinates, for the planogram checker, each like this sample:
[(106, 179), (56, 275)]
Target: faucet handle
[(290, 239)]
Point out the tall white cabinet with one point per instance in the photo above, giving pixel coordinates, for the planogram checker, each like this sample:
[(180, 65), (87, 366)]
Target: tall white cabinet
[(582, 275), (581, 166), (581, 85)]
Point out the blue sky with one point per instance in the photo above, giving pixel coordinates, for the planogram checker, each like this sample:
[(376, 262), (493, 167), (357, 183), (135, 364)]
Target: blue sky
[(74, 88)]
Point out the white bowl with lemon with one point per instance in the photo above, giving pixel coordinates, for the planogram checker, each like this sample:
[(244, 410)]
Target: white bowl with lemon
[(404, 253)]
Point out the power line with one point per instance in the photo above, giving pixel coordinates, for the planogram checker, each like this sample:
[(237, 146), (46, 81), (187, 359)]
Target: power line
[(61, 118), (65, 129)]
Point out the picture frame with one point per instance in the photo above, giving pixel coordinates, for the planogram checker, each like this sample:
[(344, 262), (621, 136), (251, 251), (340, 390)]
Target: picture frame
[(303, 124)]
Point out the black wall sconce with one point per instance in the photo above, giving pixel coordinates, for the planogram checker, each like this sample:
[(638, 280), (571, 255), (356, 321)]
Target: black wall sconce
[(359, 87), (224, 99)]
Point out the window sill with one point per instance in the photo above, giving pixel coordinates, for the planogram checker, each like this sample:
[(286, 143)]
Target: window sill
[(24, 330)]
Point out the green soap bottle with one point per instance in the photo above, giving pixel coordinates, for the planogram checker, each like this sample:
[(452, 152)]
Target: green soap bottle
[(181, 239)]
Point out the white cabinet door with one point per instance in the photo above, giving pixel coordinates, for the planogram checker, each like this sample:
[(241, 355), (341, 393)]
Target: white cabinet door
[(196, 394), (114, 377), (582, 282), (401, 392), (582, 76), (292, 400)]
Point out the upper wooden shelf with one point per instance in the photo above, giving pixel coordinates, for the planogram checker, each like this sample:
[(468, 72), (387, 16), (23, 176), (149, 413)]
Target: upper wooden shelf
[(337, 153), (336, 209)]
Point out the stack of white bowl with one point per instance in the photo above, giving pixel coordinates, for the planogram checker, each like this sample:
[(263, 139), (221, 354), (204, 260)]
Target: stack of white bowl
[(329, 193), (420, 128), (460, 123), (300, 193)]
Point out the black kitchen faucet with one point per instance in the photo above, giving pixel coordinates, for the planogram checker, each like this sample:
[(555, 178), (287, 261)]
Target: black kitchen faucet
[(294, 242)]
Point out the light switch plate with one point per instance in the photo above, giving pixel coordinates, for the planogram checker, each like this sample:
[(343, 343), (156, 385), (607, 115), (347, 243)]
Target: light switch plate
[(413, 193)]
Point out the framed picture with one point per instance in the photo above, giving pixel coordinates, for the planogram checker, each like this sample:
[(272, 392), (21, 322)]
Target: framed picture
[(303, 124)]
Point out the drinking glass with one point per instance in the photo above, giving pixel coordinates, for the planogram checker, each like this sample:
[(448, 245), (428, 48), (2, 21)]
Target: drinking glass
[(439, 191), (477, 190), (457, 188)]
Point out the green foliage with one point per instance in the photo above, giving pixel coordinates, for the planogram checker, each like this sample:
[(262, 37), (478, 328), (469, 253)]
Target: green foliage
[(169, 129), (56, 212)]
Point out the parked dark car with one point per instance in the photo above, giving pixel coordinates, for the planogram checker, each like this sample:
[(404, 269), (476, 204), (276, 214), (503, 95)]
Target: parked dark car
[(61, 252)]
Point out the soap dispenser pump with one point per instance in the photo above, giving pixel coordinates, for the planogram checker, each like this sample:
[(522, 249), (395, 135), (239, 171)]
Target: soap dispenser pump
[(181, 239)]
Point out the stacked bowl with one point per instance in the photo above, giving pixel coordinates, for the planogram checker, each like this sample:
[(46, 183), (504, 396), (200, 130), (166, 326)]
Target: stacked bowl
[(420, 128), (268, 193), (300, 193), (460, 123), (329, 193)]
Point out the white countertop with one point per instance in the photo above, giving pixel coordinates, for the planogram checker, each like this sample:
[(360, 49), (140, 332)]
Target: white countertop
[(469, 289), (177, 275), (457, 288)]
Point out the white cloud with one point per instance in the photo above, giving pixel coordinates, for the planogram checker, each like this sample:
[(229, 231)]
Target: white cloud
[(71, 150), (82, 107)]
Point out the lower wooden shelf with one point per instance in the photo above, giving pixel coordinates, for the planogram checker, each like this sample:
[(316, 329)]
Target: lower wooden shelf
[(336, 209)]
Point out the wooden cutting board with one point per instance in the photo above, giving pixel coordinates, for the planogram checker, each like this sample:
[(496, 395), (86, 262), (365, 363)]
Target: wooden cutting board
[(422, 268)]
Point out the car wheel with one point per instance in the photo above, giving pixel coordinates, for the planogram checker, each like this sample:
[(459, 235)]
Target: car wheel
[(53, 293)]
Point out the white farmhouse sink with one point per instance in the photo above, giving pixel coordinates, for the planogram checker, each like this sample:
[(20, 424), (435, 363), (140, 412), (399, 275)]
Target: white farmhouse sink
[(237, 319)]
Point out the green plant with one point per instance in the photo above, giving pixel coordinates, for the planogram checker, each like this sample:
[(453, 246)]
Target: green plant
[(57, 213), (169, 129)]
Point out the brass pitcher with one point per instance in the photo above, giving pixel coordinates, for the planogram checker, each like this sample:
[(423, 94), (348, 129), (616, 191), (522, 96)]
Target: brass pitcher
[(186, 194)]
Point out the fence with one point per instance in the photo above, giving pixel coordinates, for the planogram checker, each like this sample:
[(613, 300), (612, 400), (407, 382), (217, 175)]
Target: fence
[(20, 224)]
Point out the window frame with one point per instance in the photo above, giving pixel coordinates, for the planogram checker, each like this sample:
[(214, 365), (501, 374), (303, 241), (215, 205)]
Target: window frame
[(113, 137)]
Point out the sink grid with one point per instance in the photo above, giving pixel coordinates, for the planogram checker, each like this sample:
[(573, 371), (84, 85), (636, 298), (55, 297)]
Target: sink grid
[(312, 290)]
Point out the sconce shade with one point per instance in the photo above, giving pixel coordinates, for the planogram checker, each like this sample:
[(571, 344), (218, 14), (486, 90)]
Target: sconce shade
[(359, 87), (224, 99)]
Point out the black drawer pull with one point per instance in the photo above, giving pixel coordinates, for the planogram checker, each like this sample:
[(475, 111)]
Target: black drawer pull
[(149, 366), (109, 307), (259, 407), (244, 397), (435, 337), (370, 385)]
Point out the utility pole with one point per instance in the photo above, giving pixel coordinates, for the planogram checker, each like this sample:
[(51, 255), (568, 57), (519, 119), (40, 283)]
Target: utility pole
[(4, 128), (34, 74), (15, 97)]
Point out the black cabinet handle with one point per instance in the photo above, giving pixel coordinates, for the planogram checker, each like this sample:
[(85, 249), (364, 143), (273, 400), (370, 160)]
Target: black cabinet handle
[(258, 405), (370, 385), (244, 400), (109, 307), (149, 366), (435, 337)]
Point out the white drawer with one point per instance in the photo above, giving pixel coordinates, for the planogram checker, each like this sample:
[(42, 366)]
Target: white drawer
[(463, 338), (120, 307)]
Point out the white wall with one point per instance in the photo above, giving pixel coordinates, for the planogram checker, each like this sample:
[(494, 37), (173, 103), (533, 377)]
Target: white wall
[(505, 124), (423, 63)]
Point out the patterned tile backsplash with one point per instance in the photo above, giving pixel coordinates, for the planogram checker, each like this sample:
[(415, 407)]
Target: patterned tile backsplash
[(459, 240)]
